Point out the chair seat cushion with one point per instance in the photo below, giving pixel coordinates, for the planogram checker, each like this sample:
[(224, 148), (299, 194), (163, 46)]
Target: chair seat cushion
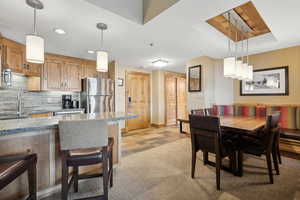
[(90, 156)]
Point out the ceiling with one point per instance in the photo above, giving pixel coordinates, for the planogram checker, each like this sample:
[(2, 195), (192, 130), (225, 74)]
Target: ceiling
[(179, 34)]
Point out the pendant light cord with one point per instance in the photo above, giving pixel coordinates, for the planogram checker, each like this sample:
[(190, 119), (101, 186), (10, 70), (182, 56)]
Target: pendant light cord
[(229, 35), (34, 22), (101, 47)]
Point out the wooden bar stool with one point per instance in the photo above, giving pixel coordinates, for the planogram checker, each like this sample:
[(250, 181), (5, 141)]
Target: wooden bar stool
[(12, 166), (82, 143)]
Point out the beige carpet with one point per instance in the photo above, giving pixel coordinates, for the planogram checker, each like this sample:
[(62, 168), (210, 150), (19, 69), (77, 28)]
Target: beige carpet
[(163, 173)]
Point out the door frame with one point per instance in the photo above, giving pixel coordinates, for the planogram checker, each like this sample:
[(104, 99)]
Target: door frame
[(127, 73)]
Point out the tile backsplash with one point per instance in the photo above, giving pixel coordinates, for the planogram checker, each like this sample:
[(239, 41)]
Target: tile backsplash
[(32, 102)]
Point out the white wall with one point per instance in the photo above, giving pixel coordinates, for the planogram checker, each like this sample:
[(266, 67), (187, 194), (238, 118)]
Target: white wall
[(216, 89), (223, 86), (205, 98)]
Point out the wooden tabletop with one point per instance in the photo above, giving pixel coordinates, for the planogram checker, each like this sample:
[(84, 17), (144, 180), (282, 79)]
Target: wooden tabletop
[(242, 123), (239, 122)]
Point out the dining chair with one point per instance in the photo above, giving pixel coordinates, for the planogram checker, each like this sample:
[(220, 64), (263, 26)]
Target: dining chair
[(83, 143), (206, 136), (13, 166), (262, 145)]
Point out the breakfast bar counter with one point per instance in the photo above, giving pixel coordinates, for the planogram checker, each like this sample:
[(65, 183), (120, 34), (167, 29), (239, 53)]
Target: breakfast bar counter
[(40, 136)]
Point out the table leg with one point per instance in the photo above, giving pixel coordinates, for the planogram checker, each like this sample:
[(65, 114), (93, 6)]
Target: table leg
[(240, 163)]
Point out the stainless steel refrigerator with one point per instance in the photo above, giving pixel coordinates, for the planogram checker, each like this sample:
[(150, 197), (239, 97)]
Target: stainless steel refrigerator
[(97, 95)]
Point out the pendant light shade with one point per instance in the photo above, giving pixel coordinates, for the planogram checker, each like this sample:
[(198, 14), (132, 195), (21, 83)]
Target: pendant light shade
[(239, 69), (102, 56), (229, 67), (102, 61), (245, 71), (250, 73), (34, 49)]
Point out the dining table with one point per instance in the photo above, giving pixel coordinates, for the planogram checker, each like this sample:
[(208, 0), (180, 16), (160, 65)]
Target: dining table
[(238, 125)]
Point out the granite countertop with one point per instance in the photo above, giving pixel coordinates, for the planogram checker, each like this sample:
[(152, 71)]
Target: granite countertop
[(31, 124)]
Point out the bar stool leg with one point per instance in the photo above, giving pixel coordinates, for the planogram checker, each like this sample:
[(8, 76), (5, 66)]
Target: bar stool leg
[(32, 181), (75, 174), (65, 177), (105, 173), (111, 168)]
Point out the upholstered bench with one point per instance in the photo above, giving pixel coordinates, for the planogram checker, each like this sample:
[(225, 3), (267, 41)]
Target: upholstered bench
[(289, 120)]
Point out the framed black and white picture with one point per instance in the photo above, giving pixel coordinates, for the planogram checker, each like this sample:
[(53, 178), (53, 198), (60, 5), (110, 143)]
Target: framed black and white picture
[(272, 81)]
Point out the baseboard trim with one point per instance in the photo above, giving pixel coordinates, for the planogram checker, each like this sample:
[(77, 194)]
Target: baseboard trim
[(158, 125)]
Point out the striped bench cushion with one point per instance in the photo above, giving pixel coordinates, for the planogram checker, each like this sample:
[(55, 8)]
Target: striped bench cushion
[(223, 110), (287, 115), (245, 110), (260, 111)]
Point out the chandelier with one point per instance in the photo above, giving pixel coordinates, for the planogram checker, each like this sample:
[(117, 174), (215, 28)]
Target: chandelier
[(236, 64)]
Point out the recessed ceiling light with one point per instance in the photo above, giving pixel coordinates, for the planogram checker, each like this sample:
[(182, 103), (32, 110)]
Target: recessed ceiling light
[(91, 51), (59, 31), (160, 63)]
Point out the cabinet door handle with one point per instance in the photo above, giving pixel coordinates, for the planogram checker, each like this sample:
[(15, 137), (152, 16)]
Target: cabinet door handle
[(24, 66)]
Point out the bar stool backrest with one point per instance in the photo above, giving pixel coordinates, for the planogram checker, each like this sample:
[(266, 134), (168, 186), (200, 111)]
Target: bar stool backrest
[(83, 134)]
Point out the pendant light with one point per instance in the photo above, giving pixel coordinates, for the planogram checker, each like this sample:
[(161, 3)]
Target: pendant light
[(229, 62), (102, 56), (244, 57), (250, 67), (34, 43)]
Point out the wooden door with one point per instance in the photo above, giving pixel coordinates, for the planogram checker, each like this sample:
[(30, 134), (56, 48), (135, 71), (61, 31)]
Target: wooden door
[(14, 56), (72, 76), (171, 106), (53, 75), (138, 99), (181, 98)]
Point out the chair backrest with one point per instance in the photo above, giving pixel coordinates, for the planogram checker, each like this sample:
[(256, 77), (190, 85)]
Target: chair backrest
[(271, 130), (200, 112), (82, 134), (209, 111), (205, 133)]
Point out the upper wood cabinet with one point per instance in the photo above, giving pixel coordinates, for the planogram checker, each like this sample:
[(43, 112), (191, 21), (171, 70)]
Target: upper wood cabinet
[(52, 76), (13, 56), (14, 59), (61, 73), (72, 75), (89, 69)]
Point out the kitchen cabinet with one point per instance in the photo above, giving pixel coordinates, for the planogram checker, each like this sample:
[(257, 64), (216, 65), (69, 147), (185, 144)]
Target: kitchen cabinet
[(52, 75), (61, 73), (89, 69), (15, 59), (13, 56), (72, 76)]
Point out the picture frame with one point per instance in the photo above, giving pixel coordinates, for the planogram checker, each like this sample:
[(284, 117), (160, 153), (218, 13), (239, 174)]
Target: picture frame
[(194, 79), (267, 82)]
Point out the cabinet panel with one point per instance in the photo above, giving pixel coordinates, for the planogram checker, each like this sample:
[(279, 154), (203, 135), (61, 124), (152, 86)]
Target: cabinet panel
[(33, 69), (52, 75), (14, 56), (72, 73)]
